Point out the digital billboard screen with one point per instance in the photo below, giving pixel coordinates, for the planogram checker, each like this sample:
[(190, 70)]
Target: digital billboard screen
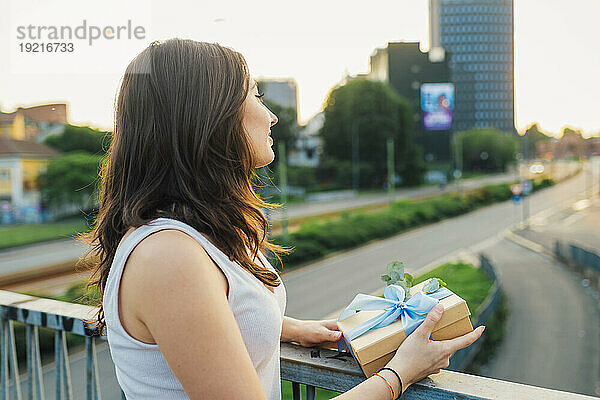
[(437, 104)]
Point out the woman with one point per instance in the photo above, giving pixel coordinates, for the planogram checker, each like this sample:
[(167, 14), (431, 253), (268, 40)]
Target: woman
[(191, 306)]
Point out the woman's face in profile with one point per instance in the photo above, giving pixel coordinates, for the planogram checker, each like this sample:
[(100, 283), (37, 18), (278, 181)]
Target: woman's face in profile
[(257, 121)]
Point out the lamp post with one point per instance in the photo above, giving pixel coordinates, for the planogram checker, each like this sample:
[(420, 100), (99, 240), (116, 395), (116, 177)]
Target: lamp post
[(355, 168), (390, 169), (284, 188)]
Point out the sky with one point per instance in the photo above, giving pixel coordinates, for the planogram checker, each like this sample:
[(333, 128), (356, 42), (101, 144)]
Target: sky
[(557, 56)]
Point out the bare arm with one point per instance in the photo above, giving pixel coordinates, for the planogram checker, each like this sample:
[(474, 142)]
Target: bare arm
[(289, 329), (185, 308)]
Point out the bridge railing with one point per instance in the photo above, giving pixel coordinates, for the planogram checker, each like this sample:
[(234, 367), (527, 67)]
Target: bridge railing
[(313, 367), (586, 262)]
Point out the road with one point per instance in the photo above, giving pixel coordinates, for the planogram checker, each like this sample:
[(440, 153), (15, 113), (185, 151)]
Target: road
[(328, 285), (39, 255), (321, 207), (558, 300), (32, 257), (553, 328)]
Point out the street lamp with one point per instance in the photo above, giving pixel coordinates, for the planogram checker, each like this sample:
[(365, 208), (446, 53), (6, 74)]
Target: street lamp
[(355, 168)]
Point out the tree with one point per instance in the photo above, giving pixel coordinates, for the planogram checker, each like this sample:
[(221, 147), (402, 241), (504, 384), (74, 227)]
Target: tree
[(71, 178), (532, 136), (486, 149), (377, 113), (83, 138)]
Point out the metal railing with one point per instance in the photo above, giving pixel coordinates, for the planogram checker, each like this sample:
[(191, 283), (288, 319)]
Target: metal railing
[(583, 261), (62, 318), (462, 358), (313, 367)]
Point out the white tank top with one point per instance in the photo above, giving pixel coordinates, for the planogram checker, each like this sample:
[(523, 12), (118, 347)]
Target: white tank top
[(142, 371)]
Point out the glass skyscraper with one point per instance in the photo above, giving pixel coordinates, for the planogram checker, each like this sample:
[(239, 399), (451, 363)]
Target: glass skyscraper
[(479, 36)]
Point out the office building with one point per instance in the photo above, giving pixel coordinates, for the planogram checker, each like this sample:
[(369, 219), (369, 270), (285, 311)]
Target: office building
[(479, 36), (405, 67)]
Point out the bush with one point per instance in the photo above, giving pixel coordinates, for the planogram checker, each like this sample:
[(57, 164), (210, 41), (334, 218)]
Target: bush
[(316, 239), (544, 183)]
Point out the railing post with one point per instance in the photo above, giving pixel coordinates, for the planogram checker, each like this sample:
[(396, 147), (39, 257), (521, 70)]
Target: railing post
[(3, 360), (296, 394), (29, 352), (39, 384), (310, 392), (66, 368), (57, 361), (92, 383), (89, 372), (13, 360)]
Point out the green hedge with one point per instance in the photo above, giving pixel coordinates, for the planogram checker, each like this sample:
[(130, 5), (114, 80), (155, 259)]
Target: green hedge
[(23, 234), (316, 239)]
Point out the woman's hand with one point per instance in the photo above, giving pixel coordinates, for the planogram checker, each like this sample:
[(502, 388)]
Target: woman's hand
[(418, 356), (322, 333)]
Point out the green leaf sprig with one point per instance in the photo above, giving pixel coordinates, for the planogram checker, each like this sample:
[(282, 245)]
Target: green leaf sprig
[(432, 285), (396, 276)]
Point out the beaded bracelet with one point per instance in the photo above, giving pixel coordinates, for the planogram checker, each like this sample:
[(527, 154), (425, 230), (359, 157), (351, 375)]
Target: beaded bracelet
[(389, 384)]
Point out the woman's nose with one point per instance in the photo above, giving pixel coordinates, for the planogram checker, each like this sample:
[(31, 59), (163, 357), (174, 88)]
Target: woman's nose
[(274, 119)]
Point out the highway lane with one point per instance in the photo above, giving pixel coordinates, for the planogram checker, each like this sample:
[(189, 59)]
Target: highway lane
[(61, 251), (319, 207), (553, 328), (328, 285)]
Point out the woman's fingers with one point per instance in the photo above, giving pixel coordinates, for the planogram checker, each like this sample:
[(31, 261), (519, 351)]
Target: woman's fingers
[(463, 341), (329, 345), (432, 318), (330, 323)]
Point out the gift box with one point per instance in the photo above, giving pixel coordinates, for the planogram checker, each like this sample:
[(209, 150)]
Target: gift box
[(374, 327)]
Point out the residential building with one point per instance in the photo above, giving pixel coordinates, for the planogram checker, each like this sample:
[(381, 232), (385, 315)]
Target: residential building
[(33, 123), (307, 150), (21, 162)]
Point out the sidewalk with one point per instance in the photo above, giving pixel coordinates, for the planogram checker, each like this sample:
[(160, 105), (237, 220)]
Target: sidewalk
[(579, 224)]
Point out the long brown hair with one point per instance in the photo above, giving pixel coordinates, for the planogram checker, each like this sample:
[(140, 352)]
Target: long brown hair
[(180, 151)]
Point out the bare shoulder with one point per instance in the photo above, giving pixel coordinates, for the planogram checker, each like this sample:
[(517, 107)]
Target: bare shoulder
[(172, 257), (164, 245), (162, 262), (185, 310)]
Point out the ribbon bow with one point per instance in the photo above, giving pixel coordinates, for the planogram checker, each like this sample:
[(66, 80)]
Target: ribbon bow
[(411, 312)]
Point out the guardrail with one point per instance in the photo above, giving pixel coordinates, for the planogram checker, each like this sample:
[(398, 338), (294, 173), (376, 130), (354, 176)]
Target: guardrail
[(312, 367), (583, 261), (463, 357)]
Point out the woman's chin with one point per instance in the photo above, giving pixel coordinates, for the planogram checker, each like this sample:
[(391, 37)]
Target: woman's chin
[(268, 159)]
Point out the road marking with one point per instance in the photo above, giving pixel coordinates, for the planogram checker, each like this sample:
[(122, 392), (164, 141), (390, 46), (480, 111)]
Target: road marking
[(521, 241), (581, 205)]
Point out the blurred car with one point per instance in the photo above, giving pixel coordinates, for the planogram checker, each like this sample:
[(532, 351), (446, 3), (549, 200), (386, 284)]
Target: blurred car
[(436, 177)]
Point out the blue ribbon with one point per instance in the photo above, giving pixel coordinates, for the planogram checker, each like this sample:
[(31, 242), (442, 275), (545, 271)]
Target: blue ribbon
[(412, 313)]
